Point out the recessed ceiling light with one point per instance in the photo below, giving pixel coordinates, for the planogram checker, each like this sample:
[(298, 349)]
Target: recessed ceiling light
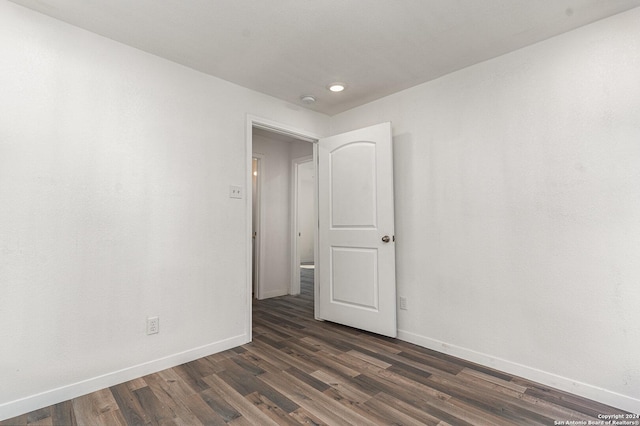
[(307, 99), (337, 87)]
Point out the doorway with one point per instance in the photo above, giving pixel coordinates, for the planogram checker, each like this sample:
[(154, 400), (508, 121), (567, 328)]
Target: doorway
[(283, 195), (304, 222), (256, 173), (355, 227)]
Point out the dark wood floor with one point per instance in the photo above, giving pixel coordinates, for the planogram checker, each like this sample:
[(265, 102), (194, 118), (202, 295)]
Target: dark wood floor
[(300, 371)]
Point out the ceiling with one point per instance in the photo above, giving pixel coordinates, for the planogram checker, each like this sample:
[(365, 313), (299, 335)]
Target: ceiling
[(289, 48)]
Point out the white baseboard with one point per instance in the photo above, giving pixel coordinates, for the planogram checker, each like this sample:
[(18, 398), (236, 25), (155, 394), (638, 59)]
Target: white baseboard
[(575, 387), (54, 396), (64, 393), (274, 293)]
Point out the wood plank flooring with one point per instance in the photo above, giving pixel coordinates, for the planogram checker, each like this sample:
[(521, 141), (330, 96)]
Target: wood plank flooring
[(300, 371)]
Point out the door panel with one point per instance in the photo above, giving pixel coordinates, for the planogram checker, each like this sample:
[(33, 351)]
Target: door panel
[(355, 206), (359, 289), (353, 191)]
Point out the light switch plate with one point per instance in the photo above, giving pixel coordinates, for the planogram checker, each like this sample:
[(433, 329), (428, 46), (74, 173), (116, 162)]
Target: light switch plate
[(235, 191), (403, 303)]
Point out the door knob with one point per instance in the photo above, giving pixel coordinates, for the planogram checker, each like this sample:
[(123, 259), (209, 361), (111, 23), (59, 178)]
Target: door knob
[(386, 239)]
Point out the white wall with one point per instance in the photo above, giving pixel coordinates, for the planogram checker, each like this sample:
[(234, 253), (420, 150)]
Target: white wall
[(115, 168), (518, 206), (275, 197)]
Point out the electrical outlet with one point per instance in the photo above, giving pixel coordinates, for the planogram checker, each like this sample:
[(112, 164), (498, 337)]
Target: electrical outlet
[(153, 325), (235, 191), (403, 303)]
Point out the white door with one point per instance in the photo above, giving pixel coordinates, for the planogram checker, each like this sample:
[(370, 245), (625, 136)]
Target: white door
[(356, 230)]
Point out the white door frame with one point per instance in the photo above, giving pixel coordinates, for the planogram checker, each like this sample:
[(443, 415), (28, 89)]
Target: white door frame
[(272, 126), (295, 257)]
